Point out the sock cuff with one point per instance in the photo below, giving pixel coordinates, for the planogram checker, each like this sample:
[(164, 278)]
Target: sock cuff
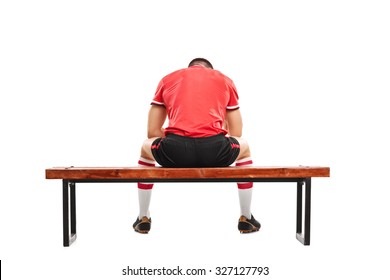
[(244, 161), (144, 186), (246, 185), (146, 162)]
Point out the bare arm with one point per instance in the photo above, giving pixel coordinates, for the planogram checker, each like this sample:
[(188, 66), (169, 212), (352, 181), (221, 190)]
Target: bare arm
[(234, 122), (156, 119)]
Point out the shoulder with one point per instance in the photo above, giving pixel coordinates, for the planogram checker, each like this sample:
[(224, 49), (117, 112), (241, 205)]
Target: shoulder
[(224, 77), (174, 74)]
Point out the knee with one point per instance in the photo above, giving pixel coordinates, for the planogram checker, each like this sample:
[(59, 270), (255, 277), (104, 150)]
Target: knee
[(146, 150), (244, 149), (244, 153)]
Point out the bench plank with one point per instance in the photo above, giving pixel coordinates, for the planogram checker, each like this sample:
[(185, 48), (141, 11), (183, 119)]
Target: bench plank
[(82, 173)]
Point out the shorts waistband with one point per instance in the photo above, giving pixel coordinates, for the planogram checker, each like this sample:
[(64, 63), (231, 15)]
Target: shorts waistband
[(172, 135)]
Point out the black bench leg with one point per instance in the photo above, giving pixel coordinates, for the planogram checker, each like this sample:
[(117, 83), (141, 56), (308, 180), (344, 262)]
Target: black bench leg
[(305, 237), (69, 209)]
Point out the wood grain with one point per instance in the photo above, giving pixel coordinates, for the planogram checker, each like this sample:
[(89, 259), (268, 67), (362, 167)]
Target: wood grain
[(80, 173)]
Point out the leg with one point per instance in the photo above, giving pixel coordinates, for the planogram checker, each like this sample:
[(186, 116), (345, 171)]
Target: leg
[(305, 238), (299, 207), (69, 236), (143, 222), (244, 188), (72, 209), (247, 223), (145, 189)]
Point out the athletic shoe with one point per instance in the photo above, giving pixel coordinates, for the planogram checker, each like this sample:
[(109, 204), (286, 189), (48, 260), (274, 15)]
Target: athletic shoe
[(143, 225), (246, 226)]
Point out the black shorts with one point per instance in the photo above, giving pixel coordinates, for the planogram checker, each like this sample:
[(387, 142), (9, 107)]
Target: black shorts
[(180, 151)]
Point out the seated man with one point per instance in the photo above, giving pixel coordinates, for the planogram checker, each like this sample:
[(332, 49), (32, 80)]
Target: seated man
[(204, 130)]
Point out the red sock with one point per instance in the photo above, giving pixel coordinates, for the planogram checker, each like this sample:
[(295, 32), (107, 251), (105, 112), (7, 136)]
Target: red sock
[(244, 163), (142, 162)]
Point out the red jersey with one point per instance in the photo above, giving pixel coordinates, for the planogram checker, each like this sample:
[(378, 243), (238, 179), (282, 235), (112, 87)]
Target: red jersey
[(196, 100)]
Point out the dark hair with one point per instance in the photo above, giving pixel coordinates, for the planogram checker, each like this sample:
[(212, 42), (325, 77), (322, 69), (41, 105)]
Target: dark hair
[(201, 61)]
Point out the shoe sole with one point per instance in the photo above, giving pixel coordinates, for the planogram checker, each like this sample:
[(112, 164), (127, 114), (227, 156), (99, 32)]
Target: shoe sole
[(249, 230), (142, 231)]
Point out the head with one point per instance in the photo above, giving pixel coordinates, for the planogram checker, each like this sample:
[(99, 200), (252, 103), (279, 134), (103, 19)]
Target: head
[(201, 61)]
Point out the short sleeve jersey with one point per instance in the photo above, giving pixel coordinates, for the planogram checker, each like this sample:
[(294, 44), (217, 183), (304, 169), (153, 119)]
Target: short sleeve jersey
[(196, 99)]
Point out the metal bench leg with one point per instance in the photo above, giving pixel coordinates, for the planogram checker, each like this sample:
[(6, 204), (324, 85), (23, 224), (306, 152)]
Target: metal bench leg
[(69, 209), (305, 237)]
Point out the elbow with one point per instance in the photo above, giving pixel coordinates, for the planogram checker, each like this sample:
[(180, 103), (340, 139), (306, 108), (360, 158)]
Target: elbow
[(236, 134), (235, 131), (155, 133)]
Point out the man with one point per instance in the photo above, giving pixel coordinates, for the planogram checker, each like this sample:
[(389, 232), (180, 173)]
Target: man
[(204, 130)]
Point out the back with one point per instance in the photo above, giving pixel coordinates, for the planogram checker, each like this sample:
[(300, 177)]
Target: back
[(196, 100)]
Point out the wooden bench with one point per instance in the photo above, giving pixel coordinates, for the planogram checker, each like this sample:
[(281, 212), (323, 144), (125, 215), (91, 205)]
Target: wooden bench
[(71, 176)]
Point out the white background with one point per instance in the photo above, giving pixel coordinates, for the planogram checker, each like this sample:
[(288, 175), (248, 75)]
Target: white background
[(76, 80)]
